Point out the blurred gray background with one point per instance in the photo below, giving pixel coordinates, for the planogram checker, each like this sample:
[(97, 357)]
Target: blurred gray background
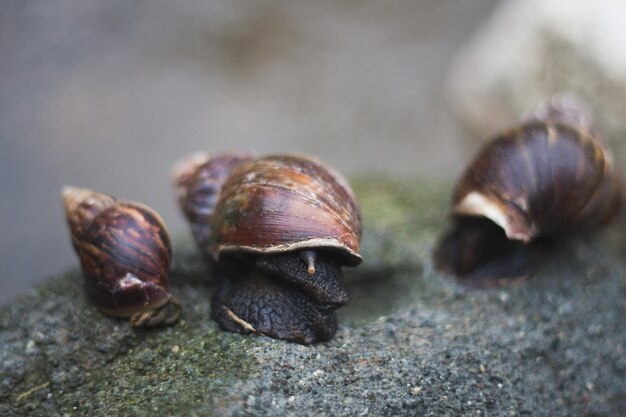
[(109, 94)]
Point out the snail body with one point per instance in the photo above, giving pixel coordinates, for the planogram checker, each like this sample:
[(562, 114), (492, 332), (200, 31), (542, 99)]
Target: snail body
[(280, 230), (548, 176), (125, 254)]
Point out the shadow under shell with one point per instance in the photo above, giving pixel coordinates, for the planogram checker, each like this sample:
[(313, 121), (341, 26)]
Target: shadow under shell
[(478, 254)]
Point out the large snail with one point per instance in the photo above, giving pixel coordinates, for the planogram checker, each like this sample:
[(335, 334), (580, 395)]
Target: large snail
[(548, 176), (125, 253), (279, 228)]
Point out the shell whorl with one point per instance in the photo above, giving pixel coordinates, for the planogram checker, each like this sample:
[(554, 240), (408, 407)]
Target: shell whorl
[(549, 174), (563, 108), (183, 173), (81, 207), (282, 203), (199, 179), (266, 205), (124, 249)]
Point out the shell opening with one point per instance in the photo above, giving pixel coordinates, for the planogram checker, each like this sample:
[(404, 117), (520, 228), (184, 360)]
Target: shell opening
[(479, 205)]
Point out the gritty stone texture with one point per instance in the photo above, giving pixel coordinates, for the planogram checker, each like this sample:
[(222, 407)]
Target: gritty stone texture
[(411, 342)]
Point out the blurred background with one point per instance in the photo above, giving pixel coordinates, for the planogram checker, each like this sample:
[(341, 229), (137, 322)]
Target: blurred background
[(110, 94)]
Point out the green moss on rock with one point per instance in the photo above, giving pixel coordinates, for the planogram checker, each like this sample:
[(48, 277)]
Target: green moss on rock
[(411, 342)]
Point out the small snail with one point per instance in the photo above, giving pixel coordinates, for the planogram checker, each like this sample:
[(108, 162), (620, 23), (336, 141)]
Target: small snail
[(548, 176), (125, 253), (279, 229)]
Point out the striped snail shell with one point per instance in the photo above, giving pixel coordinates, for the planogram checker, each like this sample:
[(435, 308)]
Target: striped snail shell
[(548, 176), (125, 254), (199, 180), (280, 228)]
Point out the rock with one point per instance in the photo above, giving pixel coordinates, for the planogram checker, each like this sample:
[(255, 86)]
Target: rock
[(411, 342), (532, 49)]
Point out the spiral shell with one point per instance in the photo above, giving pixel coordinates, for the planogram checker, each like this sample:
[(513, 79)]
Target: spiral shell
[(279, 228), (542, 177), (283, 203), (199, 180), (125, 253), (550, 175)]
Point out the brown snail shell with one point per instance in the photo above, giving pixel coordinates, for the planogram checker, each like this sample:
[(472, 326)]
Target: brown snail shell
[(199, 179), (548, 176), (125, 253), (280, 228), (313, 207)]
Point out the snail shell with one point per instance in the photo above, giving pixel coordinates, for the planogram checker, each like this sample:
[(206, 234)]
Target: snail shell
[(548, 176), (199, 180), (279, 228), (282, 203), (125, 254)]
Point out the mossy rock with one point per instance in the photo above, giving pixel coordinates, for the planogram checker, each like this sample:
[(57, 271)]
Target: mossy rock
[(411, 342)]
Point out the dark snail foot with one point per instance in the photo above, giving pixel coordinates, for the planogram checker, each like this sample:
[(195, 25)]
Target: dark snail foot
[(165, 315), (478, 253), (256, 303)]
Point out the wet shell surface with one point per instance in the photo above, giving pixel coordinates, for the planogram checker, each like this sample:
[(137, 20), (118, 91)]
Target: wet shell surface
[(199, 179), (282, 203), (549, 176), (125, 253), (278, 230)]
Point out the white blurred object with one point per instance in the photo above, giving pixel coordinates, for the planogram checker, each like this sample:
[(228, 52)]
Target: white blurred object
[(531, 49)]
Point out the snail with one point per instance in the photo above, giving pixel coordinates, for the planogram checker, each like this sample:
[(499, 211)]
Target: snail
[(125, 254), (279, 228), (547, 177)]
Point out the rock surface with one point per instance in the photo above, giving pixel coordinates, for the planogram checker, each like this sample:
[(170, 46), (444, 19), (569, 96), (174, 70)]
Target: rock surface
[(532, 49), (410, 343)]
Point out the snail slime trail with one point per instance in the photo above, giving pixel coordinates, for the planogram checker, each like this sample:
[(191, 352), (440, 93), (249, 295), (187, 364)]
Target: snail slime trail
[(544, 179), (279, 229)]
